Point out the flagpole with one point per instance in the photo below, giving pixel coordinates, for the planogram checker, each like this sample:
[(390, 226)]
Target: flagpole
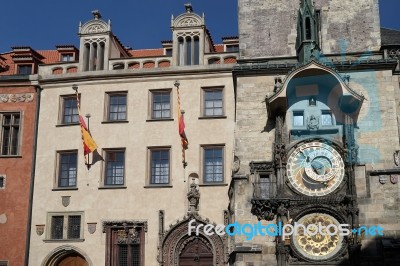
[(88, 164), (183, 135)]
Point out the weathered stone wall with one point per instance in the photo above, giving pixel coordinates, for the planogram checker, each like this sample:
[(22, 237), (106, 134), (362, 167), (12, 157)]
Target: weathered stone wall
[(254, 134), (268, 28)]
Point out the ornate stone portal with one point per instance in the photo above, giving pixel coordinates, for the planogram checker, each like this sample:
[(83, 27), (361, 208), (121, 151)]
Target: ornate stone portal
[(174, 241)]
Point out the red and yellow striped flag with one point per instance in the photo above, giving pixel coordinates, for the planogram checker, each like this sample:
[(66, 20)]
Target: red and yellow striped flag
[(89, 145), (181, 125)]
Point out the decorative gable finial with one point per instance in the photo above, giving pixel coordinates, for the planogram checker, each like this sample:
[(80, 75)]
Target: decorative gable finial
[(189, 8), (96, 14)]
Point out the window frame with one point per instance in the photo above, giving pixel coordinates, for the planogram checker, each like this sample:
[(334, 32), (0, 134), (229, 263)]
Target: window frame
[(62, 110), (232, 48), (59, 168), (298, 113), (24, 67), (106, 153), (70, 56), (150, 165), (65, 228), (213, 89), (203, 164), (112, 229), (327, 112), (11, 127), (151, 104), (108, 103)]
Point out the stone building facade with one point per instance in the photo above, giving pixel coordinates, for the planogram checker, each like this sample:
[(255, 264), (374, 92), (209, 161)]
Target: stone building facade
[(18, 105), (131, 201), (316, 134)]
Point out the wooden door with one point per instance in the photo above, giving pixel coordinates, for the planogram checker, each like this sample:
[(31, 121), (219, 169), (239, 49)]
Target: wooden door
[(196, 253), (73, 260)]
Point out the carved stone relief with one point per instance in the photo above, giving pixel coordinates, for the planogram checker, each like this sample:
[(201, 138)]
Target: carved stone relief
[(14, 98)]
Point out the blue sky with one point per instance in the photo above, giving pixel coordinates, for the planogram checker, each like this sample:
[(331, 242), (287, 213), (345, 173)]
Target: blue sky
[(43, 24)]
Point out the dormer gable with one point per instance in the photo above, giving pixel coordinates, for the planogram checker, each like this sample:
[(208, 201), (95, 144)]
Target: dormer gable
[(26, 60), (191, 39), (67, 53), (98, 44)]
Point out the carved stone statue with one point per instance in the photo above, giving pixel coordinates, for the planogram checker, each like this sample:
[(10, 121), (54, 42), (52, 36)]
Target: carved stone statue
[(313, 122), (193, 197)]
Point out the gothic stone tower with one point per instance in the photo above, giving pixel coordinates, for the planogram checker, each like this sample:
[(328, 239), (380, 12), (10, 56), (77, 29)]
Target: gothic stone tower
[(315, 134)]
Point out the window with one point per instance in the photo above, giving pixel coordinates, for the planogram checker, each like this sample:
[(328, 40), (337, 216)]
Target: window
[(159, 166), (232, 48), (125, 243), (114, 168), (116, 106), (168, 51), (213, 164), (65, 226), (3, 263), (326, 118), (69, 110), (298, 118), (188, 50), (213, 103), (24, 69), (265, 186), (10, 128), (67, 57), (2, 182), (67, 169), (161, 104)]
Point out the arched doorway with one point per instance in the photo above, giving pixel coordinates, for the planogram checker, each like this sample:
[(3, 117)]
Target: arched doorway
[(72, 260), (196, 253), (67, 256), (178, 248)]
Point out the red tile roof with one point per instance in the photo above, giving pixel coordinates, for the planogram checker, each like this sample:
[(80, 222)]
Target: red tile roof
[(7, 65), (219, 48), (147, 52)]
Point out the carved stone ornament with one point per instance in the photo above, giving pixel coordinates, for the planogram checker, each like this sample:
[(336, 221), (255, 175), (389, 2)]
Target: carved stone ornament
[(394, 179), (382, 179), (14, 98), (96, 28), (92, 227), (65, 200), (128, 236), (396, 158), (236, 165), (40, 229)]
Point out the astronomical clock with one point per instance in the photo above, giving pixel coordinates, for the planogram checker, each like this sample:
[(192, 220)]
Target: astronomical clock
[(315, 169)]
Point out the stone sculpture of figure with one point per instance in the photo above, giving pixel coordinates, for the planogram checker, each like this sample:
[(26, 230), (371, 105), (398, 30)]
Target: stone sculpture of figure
[(313, 123), (193, 197)]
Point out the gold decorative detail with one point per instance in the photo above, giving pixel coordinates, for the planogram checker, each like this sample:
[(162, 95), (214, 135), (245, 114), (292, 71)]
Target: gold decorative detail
[(318, 246)]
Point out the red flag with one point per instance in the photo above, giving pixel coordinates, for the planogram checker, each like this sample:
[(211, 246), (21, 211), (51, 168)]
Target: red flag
[(184, 139), (88, 143)]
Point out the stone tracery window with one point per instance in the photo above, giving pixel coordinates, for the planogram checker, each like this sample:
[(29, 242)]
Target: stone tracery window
[(93, 55), (188, 50), (125, 242)]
